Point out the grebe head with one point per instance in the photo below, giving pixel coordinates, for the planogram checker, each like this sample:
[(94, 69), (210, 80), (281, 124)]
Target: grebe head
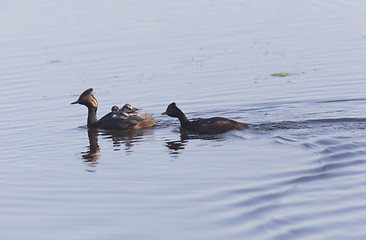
[(87, 99), (128, 108), (114, 109), (172, 110)]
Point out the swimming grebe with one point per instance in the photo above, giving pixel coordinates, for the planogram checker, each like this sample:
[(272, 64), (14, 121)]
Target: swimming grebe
[(112, 120), (214, 125)]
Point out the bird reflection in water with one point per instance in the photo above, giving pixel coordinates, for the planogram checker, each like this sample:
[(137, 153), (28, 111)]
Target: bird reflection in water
[(127, 138), (178, 145), (91, 156)]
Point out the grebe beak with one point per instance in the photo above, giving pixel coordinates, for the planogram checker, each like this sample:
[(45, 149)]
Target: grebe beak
[(164, 113), (75, 102)]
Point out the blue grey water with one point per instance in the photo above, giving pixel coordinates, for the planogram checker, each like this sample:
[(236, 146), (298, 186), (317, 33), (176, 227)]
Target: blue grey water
[(298, 172)]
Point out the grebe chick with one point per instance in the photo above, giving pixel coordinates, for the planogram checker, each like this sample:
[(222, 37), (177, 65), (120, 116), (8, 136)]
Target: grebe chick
[(129, 109), (214, 125), (118, 114), (114, 109), (112, 120)]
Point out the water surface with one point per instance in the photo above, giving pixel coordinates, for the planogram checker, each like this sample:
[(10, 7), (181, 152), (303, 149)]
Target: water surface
[(298, 172)]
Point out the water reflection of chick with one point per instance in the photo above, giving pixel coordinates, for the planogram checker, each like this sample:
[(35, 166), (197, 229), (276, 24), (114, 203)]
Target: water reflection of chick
[(185, 136), (128, 138), (92, 155)]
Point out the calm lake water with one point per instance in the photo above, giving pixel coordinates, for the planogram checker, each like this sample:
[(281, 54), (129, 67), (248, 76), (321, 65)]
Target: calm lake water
[(298, 172)]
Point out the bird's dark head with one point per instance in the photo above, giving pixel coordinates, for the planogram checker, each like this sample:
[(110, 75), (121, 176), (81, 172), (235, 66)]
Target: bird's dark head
[(172, 110), (114, 109), (87, 99)]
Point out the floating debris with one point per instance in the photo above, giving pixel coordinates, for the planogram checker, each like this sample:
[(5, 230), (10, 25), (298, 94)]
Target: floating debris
[(282, 74)]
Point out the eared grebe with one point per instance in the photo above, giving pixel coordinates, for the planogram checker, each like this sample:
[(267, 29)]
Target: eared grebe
[(115, 120), (127, 108), (114, 109), (214, 125), (117, 113)]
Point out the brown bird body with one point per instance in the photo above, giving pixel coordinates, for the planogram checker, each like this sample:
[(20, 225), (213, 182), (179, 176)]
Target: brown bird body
[(214, 125), (109, 121)]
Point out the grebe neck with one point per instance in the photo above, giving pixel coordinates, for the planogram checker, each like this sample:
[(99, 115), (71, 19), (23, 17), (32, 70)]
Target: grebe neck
[(92, 116), (182, 118)]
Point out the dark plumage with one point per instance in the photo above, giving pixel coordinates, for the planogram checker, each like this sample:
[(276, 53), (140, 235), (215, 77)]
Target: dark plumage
[(114, 109), (214, 125), (113, 120)]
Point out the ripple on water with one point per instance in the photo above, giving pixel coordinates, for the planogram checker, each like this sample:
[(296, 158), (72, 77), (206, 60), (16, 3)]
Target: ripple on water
[(304, 202)]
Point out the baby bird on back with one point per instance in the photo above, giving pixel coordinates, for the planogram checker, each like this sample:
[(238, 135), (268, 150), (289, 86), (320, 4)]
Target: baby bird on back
[(124, 112)]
